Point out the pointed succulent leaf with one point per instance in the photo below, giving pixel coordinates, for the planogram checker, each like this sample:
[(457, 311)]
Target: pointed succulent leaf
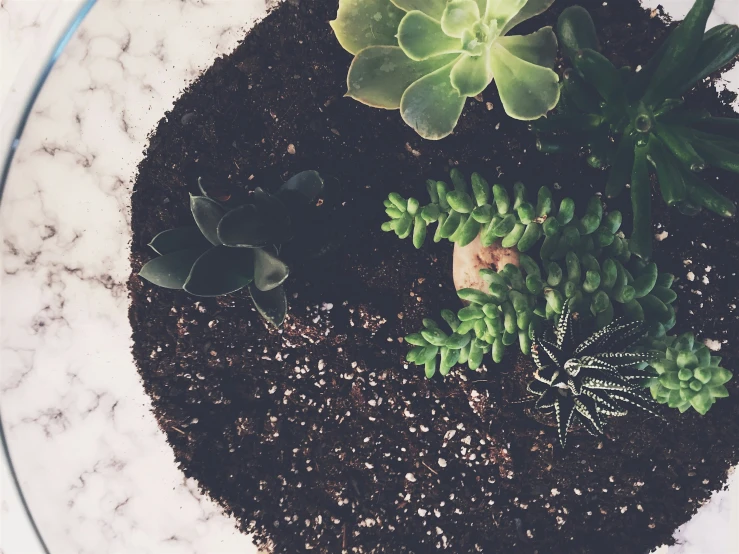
[(539, 48), (527, 91), (269, 271), (174, 240), (502, 12), (421, 37), (208, 214), (272, 304), (363, 23), (221, 270), (308, 184), (530, 9), (719, 47), (380, 75), (459, 16), (432, 106), (170, 270), (472, 74), (249, 227), (432, 8)]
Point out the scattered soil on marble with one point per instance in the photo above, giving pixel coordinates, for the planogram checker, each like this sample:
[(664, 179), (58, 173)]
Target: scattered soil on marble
[(319, 437)]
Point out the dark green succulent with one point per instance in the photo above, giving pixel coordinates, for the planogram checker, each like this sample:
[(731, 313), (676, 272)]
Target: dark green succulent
[(234, 247), (688, 375), (635, 122), (586, 260), (581, 380)]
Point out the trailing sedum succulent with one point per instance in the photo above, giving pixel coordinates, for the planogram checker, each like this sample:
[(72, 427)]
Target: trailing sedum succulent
[(635, 121), (580, 381), (688, 375), (426, 57), (585, 261), (234, 247)]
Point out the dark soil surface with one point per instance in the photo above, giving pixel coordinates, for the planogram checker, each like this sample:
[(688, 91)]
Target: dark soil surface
[(319, 436)]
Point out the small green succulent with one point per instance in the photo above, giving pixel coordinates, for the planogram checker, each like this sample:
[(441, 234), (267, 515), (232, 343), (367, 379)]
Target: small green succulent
[(635, 121), (585, 261), (580, 381), (426, 57), (234, 247), (688, 375)]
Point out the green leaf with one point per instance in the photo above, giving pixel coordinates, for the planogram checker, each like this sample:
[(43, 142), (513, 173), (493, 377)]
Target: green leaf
[(576, 31), (269, 271), (308, 183), (183, 238), (363, 23), (531, 9), (720, 46), (208, 214), (501, 12), (249, 227), (421, 37), (527, 91), (459, 16), (432, 106), (702, 401), (472, 74), (272, 304), (221, 270), (539, 48), (170, 271), (379, 75), (433, 8)]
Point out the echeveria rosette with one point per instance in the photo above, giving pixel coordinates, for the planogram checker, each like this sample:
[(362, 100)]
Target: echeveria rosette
[(688, 375), (581, 380), (426, 57), (635, 122), (234, 247)]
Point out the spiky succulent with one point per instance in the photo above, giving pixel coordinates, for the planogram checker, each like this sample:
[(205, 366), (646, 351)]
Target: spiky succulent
[(586, 260), (688, 375), (581, 381), (634, 121), (426, 57), (234, 247)]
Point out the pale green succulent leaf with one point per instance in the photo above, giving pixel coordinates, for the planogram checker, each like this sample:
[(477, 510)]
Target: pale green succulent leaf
[(459, 16), (702, 401), (531, 9), (431, 105), (539, 48), (221, 270), (363, 23), (379, 75), (502, 11), (472, 74), (527, 91), (269, 271), (432, 8), (421, 37), (272, 304), (171, 270)]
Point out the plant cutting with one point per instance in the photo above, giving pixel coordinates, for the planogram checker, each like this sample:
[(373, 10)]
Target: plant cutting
[(582, 380), (427, 58), (638, 122), (234, 247)]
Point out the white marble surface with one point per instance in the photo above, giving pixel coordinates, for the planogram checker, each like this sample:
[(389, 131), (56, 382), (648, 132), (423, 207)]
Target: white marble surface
[(95, 468)]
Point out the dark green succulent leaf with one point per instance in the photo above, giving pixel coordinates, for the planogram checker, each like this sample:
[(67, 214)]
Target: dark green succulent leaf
[(307, 183), (682, 47), (269, 271), (171, 270), (207, 213), (221, 270), (272, 304), (174, 240), (249, 227), (576, 31), (720, 47)]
